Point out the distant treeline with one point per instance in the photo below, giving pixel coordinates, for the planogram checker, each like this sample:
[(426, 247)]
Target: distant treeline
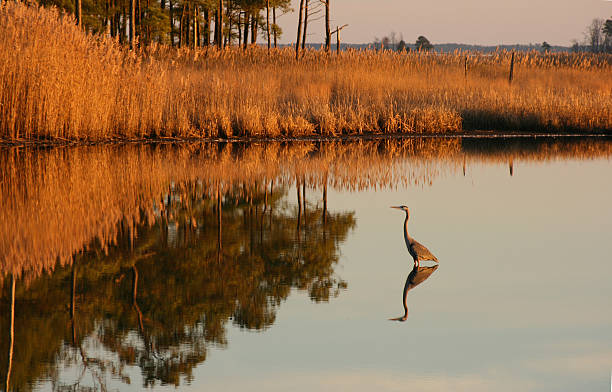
[(450, 47), (597, 39)]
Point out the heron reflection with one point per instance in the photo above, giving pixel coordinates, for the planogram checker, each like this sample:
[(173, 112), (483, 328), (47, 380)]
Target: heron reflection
[(417, 276)]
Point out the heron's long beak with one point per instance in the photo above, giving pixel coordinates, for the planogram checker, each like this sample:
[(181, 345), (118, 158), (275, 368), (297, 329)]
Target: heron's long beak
[(397, 208)]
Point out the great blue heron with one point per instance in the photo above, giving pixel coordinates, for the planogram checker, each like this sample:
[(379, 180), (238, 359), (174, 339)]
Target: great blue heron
[(417, 251), (417, 276)]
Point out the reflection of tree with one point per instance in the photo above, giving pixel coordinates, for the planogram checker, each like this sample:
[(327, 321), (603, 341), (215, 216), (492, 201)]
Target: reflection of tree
[(164, 293)]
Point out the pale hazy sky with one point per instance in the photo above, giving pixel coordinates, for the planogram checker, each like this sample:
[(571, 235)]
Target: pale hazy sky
[(485, 22)]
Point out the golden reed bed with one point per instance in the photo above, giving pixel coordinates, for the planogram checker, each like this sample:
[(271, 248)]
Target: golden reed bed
[(61, 84), (55, 202)]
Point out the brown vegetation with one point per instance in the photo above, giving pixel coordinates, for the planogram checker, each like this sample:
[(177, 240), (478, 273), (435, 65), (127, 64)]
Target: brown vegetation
[(57, 202), (60, 83)]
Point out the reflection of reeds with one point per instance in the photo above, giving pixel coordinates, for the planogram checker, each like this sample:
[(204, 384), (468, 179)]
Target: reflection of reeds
[(58, 83), (56, 202)]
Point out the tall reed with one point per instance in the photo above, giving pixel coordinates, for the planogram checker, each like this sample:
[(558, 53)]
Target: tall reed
[(61, 84)]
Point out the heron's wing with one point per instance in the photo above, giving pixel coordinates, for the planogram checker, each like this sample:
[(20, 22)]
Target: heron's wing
[(422, 274), (422, 252)]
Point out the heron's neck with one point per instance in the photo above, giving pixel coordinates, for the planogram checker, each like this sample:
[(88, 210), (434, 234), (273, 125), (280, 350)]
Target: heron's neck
[(406, 234)]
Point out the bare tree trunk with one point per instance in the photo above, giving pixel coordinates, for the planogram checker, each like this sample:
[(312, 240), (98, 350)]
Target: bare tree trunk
[(228, 36), (195, 26), (274, 23), (239, 29), (11, 335), (106, 22), (220, 21), (78, 13), (254, 20), (268, 23), (112, 21), (246, 29), (137, 32), (171, 10), (124, 33), (299, 30), (132, 22), (327, 31), (305, 24), (216, 33), (206, 27), (186, 21), (180, 28)]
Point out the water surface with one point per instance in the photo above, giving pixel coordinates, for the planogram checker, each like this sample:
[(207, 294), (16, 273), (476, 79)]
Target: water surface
[(126, 275)]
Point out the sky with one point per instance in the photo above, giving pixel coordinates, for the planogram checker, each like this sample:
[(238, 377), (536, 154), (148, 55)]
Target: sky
[(481, 22)]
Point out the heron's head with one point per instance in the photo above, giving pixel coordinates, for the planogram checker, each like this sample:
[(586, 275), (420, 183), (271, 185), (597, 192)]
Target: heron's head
[(403, 208)]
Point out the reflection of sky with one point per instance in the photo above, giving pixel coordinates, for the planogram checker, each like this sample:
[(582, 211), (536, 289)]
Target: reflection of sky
[(521, 300)]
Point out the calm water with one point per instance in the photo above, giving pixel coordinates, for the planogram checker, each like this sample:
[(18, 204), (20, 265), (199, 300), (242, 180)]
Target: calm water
[(160, 290)]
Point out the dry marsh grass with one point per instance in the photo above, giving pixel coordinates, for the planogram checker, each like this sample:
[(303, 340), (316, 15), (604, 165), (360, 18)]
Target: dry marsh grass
[(58, 83), (56, 202)]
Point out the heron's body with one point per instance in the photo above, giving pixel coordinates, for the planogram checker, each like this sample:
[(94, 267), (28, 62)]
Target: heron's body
[(418, 251)]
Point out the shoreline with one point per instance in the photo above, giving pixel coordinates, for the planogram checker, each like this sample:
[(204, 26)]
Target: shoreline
[(311, 138)]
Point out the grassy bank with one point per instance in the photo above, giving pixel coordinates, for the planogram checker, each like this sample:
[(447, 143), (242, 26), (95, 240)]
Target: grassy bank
[(59, 83)]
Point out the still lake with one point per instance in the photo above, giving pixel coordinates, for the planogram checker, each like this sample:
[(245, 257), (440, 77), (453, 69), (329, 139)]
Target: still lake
[(278, 267)]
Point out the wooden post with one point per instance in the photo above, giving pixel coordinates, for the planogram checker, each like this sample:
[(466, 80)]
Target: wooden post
[(337, 40), (337, 32), (511, 69), (465, 66)]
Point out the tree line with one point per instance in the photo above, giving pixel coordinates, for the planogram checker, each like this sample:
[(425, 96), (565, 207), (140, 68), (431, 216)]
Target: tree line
[(597, 37), (393, 42), (195, 23)]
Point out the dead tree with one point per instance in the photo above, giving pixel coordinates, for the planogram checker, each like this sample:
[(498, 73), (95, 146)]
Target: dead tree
[(268, 23), (327, 31), (337, 32), (305, 23), (299, 30)]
